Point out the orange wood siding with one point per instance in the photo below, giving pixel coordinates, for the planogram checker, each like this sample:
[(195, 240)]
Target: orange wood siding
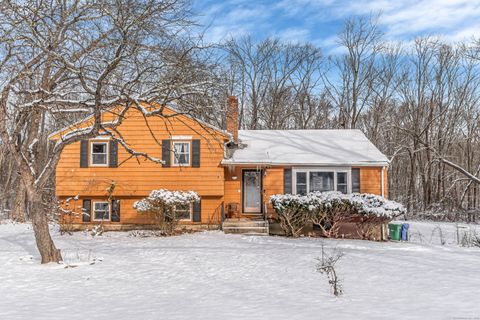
[(138, 177), (211, 211), (371, 180), (233, 187), (272, 184), (385, 182)]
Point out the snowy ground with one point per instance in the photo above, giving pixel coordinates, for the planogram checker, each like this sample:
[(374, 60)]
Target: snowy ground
[(215, 276)]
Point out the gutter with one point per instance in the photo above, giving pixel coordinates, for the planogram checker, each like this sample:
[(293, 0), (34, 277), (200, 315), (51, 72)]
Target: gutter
[(270, 163)]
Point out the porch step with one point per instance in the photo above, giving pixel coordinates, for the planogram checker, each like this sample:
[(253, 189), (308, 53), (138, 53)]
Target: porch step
[(245, 226), (245, 223)]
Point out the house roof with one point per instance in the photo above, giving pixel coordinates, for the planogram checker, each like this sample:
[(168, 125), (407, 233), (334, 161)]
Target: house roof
[(306, 147)]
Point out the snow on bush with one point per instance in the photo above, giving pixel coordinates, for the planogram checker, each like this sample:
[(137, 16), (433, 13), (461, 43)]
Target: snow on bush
[(165, 198), (161, 203), (328, 210), (362, 203)]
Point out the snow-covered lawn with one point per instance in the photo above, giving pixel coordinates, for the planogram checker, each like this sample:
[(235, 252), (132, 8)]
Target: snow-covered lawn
[(211, 275)]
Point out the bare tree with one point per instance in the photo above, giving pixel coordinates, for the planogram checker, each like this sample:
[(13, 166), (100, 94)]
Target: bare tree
[(275, 81), (361, 39), (326, 265), (63, 60)]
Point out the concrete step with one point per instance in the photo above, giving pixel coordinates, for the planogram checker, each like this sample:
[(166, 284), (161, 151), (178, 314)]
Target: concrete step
[(245, 226), (254, 234), (251, 223), (246, 230)]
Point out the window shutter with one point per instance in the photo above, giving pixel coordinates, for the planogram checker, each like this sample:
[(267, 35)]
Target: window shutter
[(87, 210), (115, 210), (355, 180), (166, 153), (197, 211), (222, 211), (196, 153), (84, 154), (113, 154), (287, 181)]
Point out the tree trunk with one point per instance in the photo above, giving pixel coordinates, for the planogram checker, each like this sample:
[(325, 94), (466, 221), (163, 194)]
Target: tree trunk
[(18, 209), (45, 244)]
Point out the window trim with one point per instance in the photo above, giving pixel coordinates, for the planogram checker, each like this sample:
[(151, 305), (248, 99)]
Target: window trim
[(189, 153), (191, 213), (109, 211), (335, 170), (107, 153)]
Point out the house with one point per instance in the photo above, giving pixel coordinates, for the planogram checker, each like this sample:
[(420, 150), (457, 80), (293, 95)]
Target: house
[(234, 171)]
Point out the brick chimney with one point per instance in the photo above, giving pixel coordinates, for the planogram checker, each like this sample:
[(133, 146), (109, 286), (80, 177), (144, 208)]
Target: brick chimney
[(232, 117)]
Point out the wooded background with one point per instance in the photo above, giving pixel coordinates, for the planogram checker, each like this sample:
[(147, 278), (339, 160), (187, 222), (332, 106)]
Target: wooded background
[(418, 102)]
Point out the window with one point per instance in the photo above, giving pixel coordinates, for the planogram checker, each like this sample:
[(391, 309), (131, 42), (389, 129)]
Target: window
[(301, 183), (321, 180), (181, 153), (342, 182), (99, 153), (184, 212), (355, 180), (101, 211)]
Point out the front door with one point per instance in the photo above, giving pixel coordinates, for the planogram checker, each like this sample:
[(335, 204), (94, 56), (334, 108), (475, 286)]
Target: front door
[(252, 191)]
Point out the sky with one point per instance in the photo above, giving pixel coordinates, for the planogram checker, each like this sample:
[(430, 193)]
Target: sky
[(318, 21)]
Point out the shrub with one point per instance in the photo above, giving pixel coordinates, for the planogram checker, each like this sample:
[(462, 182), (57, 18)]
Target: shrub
[(328, 210), (293, 212), (161, 203)]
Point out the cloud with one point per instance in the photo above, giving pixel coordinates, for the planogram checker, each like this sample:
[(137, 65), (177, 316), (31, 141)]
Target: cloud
[(319, 21), (294, 35), (434, 17), (232, 18)]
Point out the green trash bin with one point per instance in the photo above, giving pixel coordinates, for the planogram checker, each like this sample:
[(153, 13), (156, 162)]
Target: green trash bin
[(394, 230)]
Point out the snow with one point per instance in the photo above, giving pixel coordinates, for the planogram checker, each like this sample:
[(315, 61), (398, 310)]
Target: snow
[(166, 198), (211, 275), (363, 203), (306, 147)]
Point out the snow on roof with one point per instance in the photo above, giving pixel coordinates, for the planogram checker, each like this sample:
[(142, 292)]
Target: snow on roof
[(306, 147)]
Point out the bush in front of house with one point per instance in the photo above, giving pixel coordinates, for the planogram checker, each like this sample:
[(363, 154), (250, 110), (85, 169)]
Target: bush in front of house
[(328, 210), (294, 212), (161, 203)]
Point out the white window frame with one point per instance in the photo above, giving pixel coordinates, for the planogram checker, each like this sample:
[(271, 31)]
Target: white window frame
[(335, 170), (109, 210), (106, 156), (174, 158), (191, 213)]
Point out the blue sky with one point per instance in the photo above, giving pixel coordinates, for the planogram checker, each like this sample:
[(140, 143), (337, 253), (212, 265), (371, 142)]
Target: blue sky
[(318, 21)]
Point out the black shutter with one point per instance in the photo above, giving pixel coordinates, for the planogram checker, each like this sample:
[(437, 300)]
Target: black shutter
[(84, 154), (196, 153), (287, 181), (87, 210), (355, 180), (115, 210), (166, 153), (197, 211), (113, 154), (222, 211)]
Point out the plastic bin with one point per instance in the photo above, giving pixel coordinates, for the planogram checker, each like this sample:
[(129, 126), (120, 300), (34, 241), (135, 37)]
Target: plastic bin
[(404, 232), (394, 230)]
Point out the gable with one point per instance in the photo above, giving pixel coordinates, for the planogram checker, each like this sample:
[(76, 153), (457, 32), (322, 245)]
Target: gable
[(170, 119)]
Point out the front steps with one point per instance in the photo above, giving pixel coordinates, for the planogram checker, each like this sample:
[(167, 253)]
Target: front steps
[(246, 226)]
